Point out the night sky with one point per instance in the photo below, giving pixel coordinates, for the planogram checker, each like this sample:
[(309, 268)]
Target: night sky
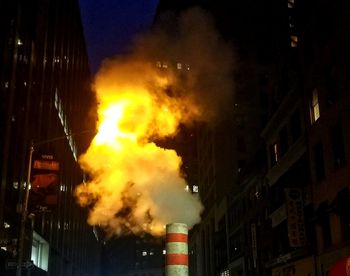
[(110, 25)]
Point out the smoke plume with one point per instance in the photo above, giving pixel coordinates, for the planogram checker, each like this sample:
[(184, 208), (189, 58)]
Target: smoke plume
[(166, 79)]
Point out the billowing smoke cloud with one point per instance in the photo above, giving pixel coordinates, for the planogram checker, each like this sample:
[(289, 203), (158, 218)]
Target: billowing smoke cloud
[(164, 81), (200, 50)]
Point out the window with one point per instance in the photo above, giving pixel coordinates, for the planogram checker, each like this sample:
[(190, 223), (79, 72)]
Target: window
[(274, 154), (314, 108), (290, 4), (319, 162), (293, 41), (338, 145), (225, 273), (40, 252)]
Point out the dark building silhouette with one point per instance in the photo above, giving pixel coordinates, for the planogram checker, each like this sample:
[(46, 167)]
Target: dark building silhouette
[(133, 255), (45, 97)]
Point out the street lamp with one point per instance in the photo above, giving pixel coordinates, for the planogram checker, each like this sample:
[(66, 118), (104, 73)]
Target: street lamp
[(24, 207)]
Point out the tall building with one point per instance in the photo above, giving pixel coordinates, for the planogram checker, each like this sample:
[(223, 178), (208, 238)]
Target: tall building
[(46, 100), (224, 149), (274, 176)]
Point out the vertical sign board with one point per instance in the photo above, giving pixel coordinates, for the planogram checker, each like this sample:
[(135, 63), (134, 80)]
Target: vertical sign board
[(44, 182), (295, 217)]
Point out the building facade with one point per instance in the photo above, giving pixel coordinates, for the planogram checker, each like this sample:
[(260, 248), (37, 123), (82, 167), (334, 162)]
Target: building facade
[(45, 101), (274, 176)]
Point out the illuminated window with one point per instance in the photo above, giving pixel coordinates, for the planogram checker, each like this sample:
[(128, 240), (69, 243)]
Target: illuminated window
[(274, 154), (144, 253), (179, 66), (290, 4), (225, 273), (164, 251), (195, 189), (275, 151), (314, 107), (40, 252), (293, 41)]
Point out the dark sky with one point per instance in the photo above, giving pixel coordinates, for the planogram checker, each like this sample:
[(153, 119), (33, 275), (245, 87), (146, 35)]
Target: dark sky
[(110, 25)]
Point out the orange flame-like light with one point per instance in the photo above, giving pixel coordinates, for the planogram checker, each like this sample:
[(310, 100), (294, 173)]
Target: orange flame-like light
[(134, 184)]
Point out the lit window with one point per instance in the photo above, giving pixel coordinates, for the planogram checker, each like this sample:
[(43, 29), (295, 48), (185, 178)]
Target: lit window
[(15, 185), (144, 253), (315, 107), (40, 252), (290, 4), (293, 41), (195, 189), (19, 42), (164, 251), (187, 188), (159, 64), (275, 152), (165, 65), (225, 273), (179, 66)]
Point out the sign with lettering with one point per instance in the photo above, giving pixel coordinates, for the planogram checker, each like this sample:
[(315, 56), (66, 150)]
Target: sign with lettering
[(295, 217)]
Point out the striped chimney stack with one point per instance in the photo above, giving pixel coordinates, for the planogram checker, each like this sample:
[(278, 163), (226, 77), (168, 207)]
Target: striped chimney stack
[(176, 250)]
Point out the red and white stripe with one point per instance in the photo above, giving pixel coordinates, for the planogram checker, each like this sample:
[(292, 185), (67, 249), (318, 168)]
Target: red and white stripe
[(176, 250)]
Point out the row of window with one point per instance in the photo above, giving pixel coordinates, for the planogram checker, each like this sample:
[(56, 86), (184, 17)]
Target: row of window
[(179, 66)]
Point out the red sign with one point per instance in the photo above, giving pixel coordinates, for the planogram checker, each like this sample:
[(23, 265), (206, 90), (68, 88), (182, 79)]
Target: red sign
[(341, 268), (44, 182), (46, 165)]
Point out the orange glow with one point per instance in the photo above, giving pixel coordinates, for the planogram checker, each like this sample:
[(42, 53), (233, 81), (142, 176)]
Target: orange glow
[(134, 184)]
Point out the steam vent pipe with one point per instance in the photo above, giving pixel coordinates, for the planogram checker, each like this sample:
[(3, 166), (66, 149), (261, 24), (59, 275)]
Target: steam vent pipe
[(176, 263)]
